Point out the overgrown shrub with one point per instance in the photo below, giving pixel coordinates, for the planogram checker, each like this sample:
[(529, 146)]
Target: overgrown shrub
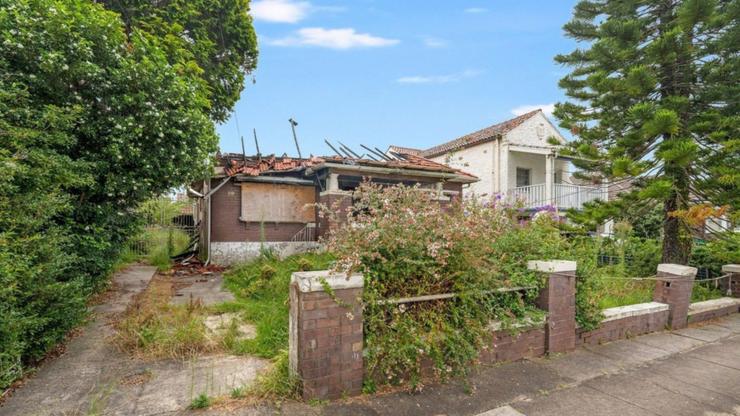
[(94, 120), (407, 245), (637, 257), (713, 254)]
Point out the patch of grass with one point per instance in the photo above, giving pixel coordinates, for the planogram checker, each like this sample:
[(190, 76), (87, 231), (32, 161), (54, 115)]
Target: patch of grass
[(201, 401), (705, 291), (613, 292), (261, 291), (238, 392), (151, 327), (164, 243), (277, 382)]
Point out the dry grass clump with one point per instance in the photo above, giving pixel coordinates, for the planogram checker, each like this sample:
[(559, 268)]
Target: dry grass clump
[(153, 328)]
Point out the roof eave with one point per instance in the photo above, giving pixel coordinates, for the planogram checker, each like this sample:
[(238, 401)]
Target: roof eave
[(449, 176)]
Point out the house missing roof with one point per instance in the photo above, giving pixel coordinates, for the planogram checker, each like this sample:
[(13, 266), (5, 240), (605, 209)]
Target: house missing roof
[(268, 202)]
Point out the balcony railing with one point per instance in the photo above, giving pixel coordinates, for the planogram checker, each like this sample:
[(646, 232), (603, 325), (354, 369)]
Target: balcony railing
[(564, 196)]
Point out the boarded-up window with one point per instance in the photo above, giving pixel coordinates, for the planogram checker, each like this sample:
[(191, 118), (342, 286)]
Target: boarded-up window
[(277, 203)]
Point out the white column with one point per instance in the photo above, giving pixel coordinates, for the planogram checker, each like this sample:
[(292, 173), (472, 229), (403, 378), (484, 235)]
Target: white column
[(495, 166), (503, 171), (550, 179), (332, 182)]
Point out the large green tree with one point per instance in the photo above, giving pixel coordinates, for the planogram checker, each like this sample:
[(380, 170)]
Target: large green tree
[(654, 92), (216, 34), (95, 118)]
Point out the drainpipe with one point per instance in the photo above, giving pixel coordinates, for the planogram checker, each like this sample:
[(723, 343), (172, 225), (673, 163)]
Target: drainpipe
[(207, 196)]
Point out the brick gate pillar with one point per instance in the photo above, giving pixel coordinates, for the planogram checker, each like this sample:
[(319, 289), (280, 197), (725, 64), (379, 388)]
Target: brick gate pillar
[(558, 298), (674, 285), (734, 280), (326, 338)]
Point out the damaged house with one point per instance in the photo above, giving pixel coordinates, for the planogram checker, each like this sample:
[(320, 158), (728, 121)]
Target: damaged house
[(256, 202)]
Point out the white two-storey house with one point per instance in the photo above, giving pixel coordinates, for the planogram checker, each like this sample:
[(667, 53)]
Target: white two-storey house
[(515, 159)]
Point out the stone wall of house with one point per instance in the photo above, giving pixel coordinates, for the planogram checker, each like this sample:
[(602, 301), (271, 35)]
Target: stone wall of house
[(227, 253)]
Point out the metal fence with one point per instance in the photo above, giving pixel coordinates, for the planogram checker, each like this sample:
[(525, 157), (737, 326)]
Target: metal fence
[(168, 228)]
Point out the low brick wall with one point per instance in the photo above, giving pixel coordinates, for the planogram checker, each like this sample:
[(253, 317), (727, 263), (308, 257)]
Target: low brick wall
[(626, 321), (326, 338), (710, 309), (508, 345)]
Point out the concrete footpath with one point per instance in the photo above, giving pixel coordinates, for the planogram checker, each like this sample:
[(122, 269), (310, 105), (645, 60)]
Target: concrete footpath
[(93, 378), (694, 371)]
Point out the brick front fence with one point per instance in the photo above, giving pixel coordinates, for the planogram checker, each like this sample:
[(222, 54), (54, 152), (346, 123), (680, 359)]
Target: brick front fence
[(326, 327)]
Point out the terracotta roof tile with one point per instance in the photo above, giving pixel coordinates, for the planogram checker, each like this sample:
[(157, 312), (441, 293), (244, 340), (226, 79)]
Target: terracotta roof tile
[(480, 136), (405, 150), (235, 164)]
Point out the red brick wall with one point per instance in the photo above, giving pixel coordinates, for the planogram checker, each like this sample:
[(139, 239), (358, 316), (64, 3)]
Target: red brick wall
[(676, 292), (623, 328), (330, 343), (340, 202), (712, 314), (226, 225), (559, 299), (506, 346)]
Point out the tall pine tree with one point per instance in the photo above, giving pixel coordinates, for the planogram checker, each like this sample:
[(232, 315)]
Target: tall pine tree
[(655, 101)]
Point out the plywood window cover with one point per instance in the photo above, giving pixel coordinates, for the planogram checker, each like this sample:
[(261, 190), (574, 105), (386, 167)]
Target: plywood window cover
[(268, 202)]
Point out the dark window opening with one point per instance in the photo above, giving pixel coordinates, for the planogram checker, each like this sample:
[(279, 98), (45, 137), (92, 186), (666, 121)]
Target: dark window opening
[(522, 177)]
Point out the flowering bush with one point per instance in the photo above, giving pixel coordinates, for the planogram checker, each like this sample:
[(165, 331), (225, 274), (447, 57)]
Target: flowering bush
[(407, 244)]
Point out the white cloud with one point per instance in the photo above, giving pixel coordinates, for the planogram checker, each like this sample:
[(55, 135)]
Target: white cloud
[(438, 79), (280, 11), (432, 42), (475, 10), (523, 109), (345, 38)]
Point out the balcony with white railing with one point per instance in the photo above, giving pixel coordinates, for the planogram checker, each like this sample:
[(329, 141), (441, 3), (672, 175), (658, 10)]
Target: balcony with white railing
[(562, 196)]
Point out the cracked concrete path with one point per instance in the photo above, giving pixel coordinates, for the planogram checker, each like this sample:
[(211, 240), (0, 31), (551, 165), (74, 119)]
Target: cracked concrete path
[(93, 378), (694, 371)]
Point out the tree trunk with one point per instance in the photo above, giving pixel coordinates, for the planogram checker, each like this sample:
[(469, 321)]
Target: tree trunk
[(676, 236)]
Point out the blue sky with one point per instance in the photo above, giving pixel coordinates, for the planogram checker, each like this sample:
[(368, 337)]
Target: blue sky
[(410, 73)]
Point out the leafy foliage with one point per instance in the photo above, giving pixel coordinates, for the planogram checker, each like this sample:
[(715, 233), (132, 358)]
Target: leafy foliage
[(215, 36), (654, 106), (407, 245), (94, 120), (716, 253)]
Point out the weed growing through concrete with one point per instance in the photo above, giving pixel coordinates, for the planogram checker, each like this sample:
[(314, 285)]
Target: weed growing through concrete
[(201, 401), (238, 392), (153, 328)]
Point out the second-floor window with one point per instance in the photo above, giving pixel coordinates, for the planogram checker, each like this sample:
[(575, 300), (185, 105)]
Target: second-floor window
[(522, 177)]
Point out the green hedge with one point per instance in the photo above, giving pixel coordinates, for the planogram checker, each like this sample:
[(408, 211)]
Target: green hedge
[(95, 118)]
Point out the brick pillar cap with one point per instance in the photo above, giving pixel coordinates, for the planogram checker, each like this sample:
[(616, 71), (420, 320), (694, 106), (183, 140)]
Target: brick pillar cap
[(311, 281), (677, 269), (552, 266), (731, 268)]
